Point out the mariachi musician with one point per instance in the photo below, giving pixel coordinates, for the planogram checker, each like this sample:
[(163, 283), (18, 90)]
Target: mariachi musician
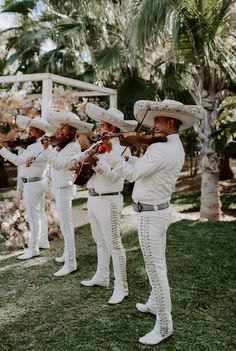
[(105, 203), (34, 182), (155, 175), (66, 148)]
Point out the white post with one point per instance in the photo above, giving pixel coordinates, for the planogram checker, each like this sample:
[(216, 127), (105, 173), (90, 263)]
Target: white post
[(113, 100), (46, 97)]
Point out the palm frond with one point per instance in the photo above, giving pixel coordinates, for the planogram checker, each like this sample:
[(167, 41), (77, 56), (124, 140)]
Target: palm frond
[(148, 19), (109, 57), (229, 102), (69, 28), (21, 7)]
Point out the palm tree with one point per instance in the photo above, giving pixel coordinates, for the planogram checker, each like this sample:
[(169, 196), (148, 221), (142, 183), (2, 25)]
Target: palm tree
[(197, 37), (90, 43)]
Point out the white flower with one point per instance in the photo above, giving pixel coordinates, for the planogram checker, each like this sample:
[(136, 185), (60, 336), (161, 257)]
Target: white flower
[(5, 225), (22, 227), (8, 205)]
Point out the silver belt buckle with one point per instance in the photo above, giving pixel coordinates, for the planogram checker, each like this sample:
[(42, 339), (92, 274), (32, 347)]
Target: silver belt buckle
[(139, 207)]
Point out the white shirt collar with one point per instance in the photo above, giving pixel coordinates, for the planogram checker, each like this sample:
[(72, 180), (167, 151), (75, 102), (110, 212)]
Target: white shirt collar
[(173, 137)]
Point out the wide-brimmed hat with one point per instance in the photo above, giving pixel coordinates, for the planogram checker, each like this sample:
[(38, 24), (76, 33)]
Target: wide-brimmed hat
[(111, 116), (36, 122), (187, 114), (56, 118)]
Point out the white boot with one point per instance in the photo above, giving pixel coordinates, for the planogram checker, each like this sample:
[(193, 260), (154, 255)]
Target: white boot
[(44, 244), (144, 308), (118, 296), (154, 337), (60, 259), (29, 253), (121, 286), (96, 280), (101, 277), (65, 270)]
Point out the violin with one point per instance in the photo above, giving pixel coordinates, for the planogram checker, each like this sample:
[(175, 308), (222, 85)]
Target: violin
[(133, 138), (85, 170), (15, 142), (55, 140)]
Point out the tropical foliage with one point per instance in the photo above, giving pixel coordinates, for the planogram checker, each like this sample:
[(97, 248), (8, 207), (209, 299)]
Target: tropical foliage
[(200, 58)]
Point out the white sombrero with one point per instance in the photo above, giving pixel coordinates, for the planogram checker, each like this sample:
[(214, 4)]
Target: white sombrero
[(56, 118), (36, 122), (111, 116), (187, 114)]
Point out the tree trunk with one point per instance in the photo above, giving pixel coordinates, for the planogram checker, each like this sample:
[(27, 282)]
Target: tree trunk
[(210, 197)]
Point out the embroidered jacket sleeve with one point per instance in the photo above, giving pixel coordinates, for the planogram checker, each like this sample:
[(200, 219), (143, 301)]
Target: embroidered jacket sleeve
[(151, 162), (61, 160)]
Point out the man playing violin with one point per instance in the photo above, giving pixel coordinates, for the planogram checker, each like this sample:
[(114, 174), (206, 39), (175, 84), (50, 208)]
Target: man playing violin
[(66, 148), (34, 184), (105, 203), (155, 175)]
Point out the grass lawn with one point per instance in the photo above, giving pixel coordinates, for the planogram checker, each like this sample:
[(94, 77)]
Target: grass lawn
[(40, 312)]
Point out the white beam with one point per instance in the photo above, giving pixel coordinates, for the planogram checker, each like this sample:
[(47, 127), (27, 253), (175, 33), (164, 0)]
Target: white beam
[(80, 84), (24, 78), (46, 97), (57, 79), (113, 101)]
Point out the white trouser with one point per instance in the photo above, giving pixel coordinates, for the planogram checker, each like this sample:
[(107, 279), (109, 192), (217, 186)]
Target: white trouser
[(34, 195), (152, 228), (44, 223), (64, 197), (104, 214)]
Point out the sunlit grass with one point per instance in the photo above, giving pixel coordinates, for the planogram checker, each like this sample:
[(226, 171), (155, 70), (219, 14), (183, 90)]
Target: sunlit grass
[(41, 312)]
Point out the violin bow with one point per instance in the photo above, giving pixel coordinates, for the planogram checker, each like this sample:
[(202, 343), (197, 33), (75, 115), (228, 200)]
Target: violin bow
[(139, 126), (27, 125)]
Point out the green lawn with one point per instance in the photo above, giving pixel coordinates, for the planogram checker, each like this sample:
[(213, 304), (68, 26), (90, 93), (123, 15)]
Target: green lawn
[(40, 312)]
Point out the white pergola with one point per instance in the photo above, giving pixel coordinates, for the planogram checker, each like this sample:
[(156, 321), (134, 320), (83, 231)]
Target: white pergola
[(48, 79)]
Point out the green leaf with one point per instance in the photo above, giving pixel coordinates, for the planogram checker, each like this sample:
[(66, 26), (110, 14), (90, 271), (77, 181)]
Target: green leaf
[(21, 7), (108, 57)]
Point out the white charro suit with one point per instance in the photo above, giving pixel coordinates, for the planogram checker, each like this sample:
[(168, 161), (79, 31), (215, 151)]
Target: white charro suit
[(35, 187), (104, 211), (154, 175), (64, 191)]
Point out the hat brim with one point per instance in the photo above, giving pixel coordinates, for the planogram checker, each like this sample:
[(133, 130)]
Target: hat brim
[(99, 114), (36, 122), (186, 114), (56, 118)]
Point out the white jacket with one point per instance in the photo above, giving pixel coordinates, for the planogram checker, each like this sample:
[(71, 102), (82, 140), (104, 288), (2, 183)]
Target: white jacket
[(60, 175), (105, 179), (155, 173), (39, 166)]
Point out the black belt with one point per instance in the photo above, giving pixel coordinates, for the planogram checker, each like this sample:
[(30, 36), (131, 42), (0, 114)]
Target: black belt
[(92, 192), (139, 207), (30, 180)]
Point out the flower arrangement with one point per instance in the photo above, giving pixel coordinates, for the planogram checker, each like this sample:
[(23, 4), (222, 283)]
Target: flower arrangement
[(14, 228), (13, 225)]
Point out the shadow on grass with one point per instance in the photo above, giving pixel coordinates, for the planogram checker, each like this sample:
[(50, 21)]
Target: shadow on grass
[(41, 312)]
